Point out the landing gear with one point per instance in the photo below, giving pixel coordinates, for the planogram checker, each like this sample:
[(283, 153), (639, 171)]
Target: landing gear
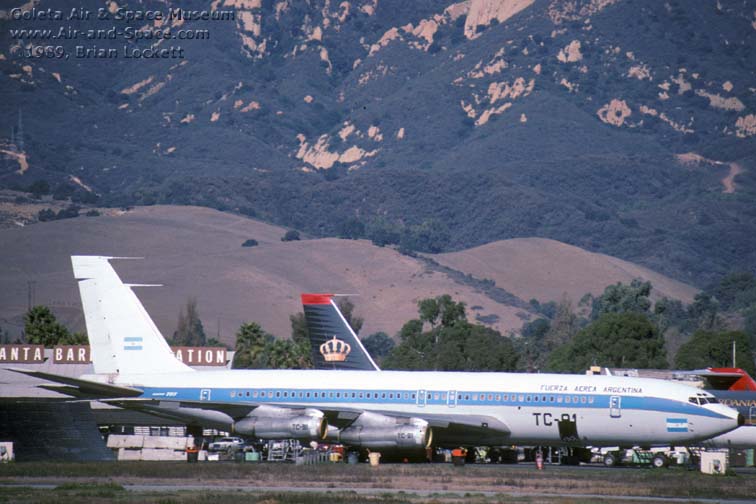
[(659, 461), (611, 460)]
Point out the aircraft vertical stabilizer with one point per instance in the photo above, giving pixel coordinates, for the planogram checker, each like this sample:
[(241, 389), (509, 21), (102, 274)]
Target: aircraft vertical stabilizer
[(122, 336), (334, 343)]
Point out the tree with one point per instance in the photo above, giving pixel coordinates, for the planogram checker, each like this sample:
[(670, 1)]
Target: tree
[(189, 330), (563, 327), (39, 188), (714, 349), (452, 343), (613, 340), (251, 341), (378, 345), (735, 291), (704, 311), (291, 235), (441, 309), (352, 229), (299, 330), (42, 328), (621, 298)]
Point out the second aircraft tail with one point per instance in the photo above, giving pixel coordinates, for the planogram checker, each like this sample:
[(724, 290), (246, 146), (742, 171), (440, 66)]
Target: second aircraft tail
[(334, 343)]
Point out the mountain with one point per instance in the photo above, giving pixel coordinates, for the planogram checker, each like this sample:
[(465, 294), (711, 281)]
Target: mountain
[(197, 252), (624, 127)]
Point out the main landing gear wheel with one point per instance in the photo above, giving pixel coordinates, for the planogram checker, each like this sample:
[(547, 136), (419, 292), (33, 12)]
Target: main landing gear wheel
[(610, 460), (660, 460)]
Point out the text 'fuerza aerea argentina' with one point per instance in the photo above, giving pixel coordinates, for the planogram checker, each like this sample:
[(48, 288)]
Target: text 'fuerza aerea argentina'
[(590, 389)]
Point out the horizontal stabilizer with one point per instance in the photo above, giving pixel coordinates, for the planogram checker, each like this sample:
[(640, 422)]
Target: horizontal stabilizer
[(86, 388)]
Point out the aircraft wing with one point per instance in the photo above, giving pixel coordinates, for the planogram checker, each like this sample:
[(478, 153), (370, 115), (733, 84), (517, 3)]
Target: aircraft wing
[(77, 387)]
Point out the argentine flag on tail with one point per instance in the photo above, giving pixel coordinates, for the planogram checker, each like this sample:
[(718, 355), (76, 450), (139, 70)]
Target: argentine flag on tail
[(677, 425)]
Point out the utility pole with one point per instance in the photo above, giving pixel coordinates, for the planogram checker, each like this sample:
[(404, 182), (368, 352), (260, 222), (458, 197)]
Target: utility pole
[(31, 287), (734, 350)]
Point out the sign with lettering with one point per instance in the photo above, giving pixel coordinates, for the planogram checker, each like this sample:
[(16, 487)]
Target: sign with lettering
[(201, 356), (22, 353), (71, 354)]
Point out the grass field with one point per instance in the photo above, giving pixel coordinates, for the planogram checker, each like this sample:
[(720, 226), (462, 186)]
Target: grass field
[(342, 483)]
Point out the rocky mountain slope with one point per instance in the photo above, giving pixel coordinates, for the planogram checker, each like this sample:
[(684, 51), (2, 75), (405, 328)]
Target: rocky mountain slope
[(197, 252), (626, 127)]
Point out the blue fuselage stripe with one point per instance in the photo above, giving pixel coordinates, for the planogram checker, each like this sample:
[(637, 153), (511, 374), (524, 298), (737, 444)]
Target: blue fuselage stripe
[(307, 397)]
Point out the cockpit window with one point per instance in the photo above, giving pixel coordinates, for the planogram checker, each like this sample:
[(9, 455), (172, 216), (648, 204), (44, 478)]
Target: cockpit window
[(693, 400)]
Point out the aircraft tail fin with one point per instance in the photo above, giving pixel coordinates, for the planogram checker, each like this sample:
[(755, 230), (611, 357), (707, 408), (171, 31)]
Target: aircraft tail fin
[(334, 343), (122, 336)]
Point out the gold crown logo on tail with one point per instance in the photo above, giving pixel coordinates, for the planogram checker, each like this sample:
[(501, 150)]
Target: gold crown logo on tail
[(335, 350)]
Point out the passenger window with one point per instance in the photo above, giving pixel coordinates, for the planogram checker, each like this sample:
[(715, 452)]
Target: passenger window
[(560, 399), (254, 393), (590, 399), (567, 399), (490, 397), (436, 396), (527, 398), (475, 397), (498, 397), (583, 399), (522, 398)]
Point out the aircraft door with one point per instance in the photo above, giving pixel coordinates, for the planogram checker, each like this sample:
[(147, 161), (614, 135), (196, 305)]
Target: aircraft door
[(205, 394), (752, 415), (451, 399), (422, 398), (615, 406)]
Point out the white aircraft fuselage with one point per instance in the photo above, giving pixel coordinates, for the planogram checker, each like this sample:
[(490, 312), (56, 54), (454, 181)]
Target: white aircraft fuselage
[(523, 408)]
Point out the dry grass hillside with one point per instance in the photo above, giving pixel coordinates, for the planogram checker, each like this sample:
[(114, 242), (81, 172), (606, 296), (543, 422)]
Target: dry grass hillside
[(197, 252), (547, 269)]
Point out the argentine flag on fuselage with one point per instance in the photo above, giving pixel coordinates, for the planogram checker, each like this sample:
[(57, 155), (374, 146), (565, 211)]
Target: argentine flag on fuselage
[(677, 425)]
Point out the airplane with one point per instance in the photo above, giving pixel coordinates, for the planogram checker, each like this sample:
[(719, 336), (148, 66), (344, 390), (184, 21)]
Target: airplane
[(731, 386), (735, 388), (135, 368)]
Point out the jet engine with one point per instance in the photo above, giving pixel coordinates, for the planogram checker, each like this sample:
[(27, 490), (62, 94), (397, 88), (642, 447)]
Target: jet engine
[(279, 423), (376, 431)]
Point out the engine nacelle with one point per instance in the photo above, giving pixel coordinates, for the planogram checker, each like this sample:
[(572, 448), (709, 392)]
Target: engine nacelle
[(410, 435), (309, 427)]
